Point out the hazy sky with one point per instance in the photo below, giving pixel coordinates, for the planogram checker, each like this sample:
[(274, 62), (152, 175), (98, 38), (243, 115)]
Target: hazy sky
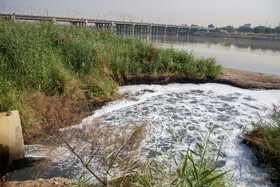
[(201, 12)]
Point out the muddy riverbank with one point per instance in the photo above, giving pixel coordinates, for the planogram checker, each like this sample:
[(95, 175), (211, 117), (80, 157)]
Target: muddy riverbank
[(233, 77)]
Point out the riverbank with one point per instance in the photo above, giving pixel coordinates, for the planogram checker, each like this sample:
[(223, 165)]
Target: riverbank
[(233, 77), (62, 182), (248, 36), (249, 80)]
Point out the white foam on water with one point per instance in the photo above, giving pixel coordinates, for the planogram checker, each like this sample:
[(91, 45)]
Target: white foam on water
[(191, 110), (54, 152)]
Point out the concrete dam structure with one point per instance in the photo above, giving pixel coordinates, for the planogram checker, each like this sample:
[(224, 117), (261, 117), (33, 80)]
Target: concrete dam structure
[(146, 31)]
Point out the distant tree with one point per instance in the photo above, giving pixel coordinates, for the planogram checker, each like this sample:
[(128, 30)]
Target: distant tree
[(245, 29), (211, 26), (228, 28), (267, 30), (277, 30), (259, 29)]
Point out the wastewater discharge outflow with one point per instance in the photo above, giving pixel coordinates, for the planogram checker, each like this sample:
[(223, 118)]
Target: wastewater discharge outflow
[(190, 110)]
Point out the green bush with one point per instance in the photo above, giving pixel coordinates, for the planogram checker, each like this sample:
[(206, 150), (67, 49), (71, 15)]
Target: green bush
[(265, 138)]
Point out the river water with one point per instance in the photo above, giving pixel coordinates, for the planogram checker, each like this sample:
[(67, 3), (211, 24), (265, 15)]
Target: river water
[(250, 55)]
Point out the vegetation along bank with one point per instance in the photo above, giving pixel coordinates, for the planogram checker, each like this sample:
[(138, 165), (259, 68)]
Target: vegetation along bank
[(264, 139), (57, 74)]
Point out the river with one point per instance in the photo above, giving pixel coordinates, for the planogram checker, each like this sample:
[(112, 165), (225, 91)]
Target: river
[(249, 55)]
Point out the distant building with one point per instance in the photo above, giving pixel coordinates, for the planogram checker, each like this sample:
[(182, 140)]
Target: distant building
[(248, 25)]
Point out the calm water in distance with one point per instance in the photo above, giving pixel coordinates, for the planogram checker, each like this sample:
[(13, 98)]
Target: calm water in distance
[(250, 55)]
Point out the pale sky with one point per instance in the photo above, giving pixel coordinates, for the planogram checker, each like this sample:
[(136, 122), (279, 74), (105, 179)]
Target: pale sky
[(200, 12)]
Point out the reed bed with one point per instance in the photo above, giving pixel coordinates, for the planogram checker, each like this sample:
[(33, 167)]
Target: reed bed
[(78, 63)]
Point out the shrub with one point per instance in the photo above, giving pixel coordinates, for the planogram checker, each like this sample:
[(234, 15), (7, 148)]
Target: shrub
[(265, 138)]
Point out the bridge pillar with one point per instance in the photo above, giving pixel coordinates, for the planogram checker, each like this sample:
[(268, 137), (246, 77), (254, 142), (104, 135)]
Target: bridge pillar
[(139, 30), (152, 29), (13, 16), (133, 28), (53, 20), (126, 30), (150, 32), (189, 31), (164, 37), (158, 32), (144, 32), (147, 35), (112, 26), (85, 22), (120, 29), (178, 30)]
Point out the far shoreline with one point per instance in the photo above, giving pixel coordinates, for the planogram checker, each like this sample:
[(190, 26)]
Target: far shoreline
[(243, 36)]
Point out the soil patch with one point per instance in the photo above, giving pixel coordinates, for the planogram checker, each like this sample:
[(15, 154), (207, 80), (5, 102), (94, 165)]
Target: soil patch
[(55, 112), (40, 182), (233, 77), (249, 80)]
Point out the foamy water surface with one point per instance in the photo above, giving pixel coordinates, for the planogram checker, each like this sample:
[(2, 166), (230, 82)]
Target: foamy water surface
[(189, 110)]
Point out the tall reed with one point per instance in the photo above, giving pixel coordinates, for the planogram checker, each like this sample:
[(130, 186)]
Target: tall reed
[(78, 62)]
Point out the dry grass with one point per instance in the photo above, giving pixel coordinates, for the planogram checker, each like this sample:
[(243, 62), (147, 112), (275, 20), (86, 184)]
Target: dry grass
[(114, 149)]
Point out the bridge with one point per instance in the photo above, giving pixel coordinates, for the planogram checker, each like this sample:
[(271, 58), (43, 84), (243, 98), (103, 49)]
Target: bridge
[(147, 31)]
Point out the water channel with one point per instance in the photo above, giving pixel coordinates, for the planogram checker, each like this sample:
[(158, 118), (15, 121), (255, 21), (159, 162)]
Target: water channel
[(188, 109)]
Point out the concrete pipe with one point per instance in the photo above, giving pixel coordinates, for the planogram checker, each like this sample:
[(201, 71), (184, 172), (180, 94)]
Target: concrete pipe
[(11, 139)]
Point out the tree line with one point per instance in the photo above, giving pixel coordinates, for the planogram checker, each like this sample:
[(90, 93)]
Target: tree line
[(258, 29)]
